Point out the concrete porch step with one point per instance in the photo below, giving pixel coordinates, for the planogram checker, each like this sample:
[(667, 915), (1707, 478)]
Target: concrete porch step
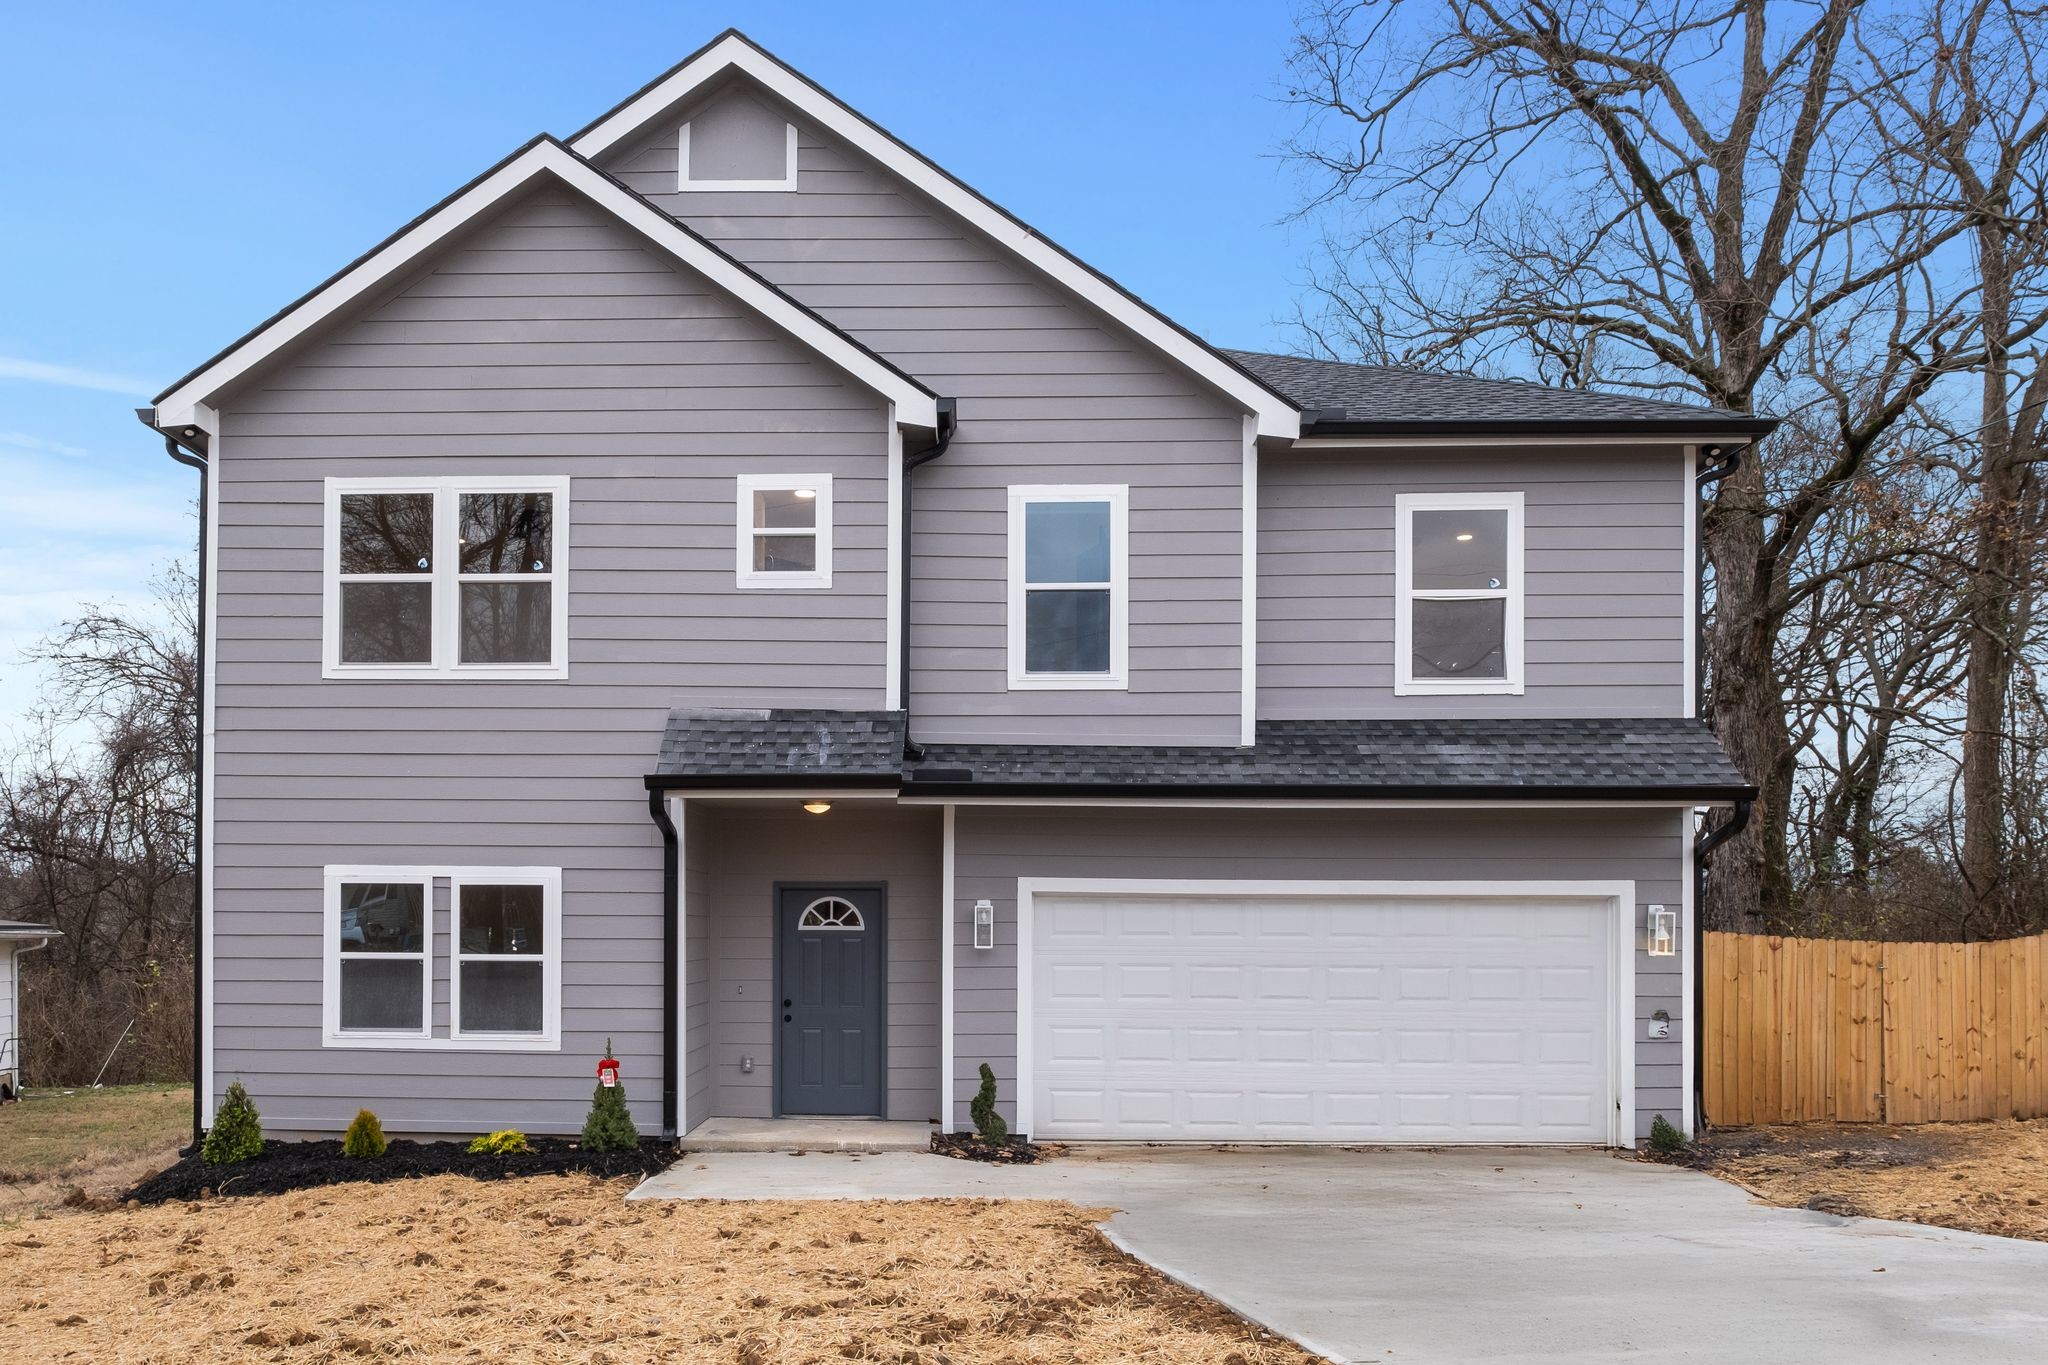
[(808, 1135)]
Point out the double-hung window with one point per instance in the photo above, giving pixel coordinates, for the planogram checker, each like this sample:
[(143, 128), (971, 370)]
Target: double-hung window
[(423, 957), (1458, 593), (1069, 587), (785, 531), (446, 577)]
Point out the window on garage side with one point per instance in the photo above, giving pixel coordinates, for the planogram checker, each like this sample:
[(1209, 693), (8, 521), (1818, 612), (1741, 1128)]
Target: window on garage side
[(446, 577), (1458, 591), (784, 531), (1069, 587)]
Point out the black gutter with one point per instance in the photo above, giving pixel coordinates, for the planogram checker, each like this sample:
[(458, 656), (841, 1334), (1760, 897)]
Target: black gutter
[(671, 959), (1701, 427), (196, 458), (949, 422), (1313, 792), (669, 782), (1706, 845)]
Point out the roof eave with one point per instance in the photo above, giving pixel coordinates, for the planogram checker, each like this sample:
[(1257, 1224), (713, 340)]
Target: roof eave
[(773, 781), (1705, 427)]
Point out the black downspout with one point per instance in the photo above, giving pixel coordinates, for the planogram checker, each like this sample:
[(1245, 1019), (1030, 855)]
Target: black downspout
[(671, 961), (1707, 844), (949, 421), (1728, 461), (183, 457)]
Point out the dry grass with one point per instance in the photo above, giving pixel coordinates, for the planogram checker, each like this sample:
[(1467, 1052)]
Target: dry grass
[(560, 1268), (1981, 1177), (87, 1144)]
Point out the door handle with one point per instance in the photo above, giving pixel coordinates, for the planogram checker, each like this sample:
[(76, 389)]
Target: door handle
[(785, 1004), (787, 1017)]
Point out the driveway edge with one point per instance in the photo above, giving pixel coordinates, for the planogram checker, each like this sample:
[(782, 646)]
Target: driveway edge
[(1191, 1283)]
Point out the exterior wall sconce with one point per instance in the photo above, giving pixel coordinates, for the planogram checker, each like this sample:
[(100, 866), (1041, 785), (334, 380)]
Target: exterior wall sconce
[(984, 924), (1663, 932)]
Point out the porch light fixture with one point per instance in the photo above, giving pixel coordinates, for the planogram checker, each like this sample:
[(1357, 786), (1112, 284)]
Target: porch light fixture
[(817, 807), (984, 924), (805, 494), (1663, 932)]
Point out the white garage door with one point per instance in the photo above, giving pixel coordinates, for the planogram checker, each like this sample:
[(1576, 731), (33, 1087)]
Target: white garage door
[(1365, 1019)]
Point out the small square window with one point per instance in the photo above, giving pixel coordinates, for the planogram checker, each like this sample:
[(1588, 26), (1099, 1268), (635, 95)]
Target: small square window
[(785, 531)]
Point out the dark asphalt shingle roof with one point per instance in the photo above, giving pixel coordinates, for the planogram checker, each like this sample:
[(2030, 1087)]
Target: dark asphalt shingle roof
[(1667, 756), (783, 744), (1344, 395)]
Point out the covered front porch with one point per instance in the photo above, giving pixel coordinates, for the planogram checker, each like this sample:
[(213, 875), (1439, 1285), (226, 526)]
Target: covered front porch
[(810, 969)]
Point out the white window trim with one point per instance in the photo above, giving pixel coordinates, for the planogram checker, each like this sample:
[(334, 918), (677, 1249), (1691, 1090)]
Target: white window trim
[(1118, 498), (1406, 684), (782, 184), (334, 1036), (549, 879), (446, 575), (746, 575)]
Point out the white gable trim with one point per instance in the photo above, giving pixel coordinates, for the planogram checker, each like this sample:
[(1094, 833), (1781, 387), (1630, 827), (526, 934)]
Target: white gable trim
[(185, 404), (1276, 417)]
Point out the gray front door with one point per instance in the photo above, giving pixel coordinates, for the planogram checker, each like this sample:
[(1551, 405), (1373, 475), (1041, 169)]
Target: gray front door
[(829, 954)]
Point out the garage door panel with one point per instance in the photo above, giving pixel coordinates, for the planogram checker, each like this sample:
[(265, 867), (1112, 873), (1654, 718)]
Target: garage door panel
[(1277, 1019)]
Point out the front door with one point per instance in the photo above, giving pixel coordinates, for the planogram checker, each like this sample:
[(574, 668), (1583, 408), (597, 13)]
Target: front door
[(829, 957)]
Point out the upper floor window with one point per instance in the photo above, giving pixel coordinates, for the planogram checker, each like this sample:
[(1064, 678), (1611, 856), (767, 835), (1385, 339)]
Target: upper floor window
[(1069, 588), (440, 577), (785, 531), (1458, 593)]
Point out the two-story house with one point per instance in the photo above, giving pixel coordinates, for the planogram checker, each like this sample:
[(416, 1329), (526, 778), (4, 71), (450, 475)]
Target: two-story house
[(718, 583)]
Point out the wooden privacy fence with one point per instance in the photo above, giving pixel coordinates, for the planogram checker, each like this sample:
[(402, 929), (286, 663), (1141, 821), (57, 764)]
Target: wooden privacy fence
[(1800, 1029)]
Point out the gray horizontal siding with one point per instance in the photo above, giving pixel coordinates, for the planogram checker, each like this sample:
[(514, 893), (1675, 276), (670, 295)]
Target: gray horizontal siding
[(1604, 580), (1049, 392), (546, 341), (994, 846)]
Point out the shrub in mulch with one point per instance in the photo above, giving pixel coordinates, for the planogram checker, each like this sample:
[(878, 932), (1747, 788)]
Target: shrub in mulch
[(286, 1166), (1013, 1151)]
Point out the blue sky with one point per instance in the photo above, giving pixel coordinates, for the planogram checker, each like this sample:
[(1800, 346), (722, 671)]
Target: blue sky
[(177, 173)]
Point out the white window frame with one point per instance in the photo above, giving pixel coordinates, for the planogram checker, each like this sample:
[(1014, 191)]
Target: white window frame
[(786, 182), (430, 1036), (1119, 585), (549, 879), (745, 574), (447, 577), (1406, 684)]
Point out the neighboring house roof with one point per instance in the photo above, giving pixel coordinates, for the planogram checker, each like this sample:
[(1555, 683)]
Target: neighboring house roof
[(544, 157), (1669, 757), (21, 928), (734, 51), (1342, 398)]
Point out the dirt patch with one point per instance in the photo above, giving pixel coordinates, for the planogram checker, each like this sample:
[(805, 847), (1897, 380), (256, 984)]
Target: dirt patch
[(975, 1147), (308, 1165), (560, 1268), (1981, 1177), (62, 1148)]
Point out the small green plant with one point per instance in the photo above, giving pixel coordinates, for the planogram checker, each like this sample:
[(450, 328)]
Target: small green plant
[(1665, 1140), (237, 1132), (504, 1142), (365, 1136), (987, 1121), (609, 1127)]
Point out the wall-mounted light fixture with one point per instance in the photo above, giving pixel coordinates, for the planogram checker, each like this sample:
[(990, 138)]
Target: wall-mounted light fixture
[(1663, 932), (817, 807), (984, 924)]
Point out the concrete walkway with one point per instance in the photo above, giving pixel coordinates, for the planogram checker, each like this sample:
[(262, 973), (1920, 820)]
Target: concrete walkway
[(1499, 1256), (808, 1135)]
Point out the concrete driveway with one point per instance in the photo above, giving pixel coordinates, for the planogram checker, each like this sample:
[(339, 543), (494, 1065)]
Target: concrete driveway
[(1503, 1255)]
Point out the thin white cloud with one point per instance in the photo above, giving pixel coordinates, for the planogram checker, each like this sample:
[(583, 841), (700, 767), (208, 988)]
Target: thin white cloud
[(21, 440), (70, 377)]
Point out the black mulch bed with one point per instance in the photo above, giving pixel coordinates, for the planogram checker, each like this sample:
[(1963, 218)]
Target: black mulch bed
[(975, 1147), (288, 1166)]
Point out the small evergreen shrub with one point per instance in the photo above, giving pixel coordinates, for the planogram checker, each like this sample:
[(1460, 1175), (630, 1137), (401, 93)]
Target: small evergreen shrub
[(504, 1142), (987, 1121), (365, 1136), (237, 1132), (609, 1127), (1665, 1140)]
